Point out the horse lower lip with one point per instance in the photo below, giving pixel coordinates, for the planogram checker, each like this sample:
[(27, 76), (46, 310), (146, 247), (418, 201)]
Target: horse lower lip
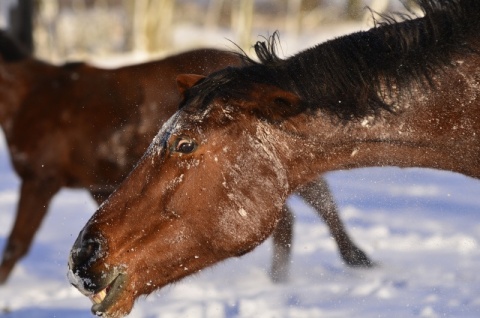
[(107, 296)]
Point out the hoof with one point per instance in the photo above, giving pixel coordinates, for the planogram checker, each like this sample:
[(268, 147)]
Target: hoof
[(357, 258)]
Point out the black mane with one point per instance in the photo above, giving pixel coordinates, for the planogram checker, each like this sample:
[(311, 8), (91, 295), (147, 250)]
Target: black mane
[(345, 75), (10, 50)]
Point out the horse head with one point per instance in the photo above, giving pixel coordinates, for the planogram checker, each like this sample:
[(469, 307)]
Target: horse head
[(211, 186)]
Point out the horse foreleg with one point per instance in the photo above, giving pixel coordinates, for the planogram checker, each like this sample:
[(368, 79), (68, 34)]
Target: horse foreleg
[(282, 244), (35, 196), (318, 195)]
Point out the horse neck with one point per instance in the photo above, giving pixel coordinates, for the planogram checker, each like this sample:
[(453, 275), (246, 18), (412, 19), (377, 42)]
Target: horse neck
[(431, 127)]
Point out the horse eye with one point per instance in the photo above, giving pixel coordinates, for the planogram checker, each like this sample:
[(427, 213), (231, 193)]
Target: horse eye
[(184, 145)]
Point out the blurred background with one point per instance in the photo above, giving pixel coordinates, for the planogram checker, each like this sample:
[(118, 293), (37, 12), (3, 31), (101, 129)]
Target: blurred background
[(66, 30)]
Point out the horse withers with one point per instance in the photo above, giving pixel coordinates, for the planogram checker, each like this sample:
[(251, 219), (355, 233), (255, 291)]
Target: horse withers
[(80, 126), (213, 182)]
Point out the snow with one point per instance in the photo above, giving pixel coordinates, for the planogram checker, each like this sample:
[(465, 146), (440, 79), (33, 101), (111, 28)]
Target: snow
[(421, 226)]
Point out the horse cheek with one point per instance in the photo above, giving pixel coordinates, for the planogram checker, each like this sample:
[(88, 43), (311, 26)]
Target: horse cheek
[(253, 196)]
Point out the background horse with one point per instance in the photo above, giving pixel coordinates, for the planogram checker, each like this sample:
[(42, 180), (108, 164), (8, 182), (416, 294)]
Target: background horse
[(80, 126), (213, 182)]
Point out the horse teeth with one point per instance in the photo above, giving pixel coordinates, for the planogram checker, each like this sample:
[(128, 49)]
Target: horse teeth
[(98, 297)]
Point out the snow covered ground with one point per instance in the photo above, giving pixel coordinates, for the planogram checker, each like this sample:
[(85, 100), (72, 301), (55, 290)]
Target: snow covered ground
[(421, 226)]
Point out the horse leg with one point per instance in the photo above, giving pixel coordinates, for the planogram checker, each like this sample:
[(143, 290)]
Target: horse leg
[(35, 195), (282, 244), (318, 195)]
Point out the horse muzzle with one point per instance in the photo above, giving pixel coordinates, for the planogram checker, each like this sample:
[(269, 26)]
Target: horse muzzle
[(87, 272)]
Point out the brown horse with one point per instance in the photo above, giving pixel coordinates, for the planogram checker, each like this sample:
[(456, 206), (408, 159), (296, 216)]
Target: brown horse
[(80, 126), (212, 183)]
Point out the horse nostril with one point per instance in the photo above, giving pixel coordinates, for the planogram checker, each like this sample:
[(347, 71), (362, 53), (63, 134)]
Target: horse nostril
[(85, 252), (89, 250)]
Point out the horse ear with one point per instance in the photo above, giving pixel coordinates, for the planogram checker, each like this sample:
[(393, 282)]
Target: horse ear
[(185, 81), (278, 104)]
